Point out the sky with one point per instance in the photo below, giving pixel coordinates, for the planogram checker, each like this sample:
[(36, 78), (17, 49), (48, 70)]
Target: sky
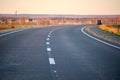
[(79, 7)]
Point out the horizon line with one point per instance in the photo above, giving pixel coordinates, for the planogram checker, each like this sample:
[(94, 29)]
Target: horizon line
[(52, 14)]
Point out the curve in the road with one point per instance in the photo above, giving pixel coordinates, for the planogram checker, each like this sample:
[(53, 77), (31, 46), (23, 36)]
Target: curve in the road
[(83, 31)]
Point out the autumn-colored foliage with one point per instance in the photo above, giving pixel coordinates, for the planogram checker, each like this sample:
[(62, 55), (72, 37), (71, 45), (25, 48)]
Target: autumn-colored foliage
[(111, 28)]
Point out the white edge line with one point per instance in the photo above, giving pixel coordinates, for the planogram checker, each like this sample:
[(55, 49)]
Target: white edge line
[(99, 39), (51, 61), (4, 34)]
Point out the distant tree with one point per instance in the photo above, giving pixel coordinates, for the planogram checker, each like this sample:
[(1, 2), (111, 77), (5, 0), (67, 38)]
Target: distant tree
[(99, 22)]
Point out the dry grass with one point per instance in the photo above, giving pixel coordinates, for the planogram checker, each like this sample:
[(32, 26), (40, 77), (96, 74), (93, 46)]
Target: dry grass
[(4, 26), (111, 28), (94, 30), (10, 26)]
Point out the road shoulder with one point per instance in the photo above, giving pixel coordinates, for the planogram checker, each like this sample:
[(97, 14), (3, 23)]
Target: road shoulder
[(95, 31), (7, 30)]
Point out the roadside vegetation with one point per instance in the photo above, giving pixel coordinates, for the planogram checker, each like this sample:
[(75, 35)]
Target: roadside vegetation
[(105, 35), (4, 26), (13, 26), (115, 29)]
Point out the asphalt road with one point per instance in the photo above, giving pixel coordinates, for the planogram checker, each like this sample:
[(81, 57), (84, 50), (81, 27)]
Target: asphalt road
[(57, 53)]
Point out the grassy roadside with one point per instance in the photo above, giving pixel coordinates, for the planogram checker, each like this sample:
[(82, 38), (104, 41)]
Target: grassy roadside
[(96, 31), (9, 27), (12, 26), (115, 29)]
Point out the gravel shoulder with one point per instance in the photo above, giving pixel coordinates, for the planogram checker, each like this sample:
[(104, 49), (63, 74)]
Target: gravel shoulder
[(7, 30), (95, 31)]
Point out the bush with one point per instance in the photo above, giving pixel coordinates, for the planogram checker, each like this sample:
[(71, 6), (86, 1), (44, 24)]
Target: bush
[(12, 26)]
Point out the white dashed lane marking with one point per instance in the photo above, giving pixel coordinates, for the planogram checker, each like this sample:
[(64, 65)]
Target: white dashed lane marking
[(50, 33), (48, 36), (49, 49), (52, 61), (50, 56), (47, 43), (48, 39), (55, 71)]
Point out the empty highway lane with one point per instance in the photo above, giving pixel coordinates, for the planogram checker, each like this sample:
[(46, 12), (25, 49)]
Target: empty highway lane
[(56, 53)]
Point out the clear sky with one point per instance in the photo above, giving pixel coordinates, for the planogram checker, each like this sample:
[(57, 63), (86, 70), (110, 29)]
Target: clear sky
[(80, 7)]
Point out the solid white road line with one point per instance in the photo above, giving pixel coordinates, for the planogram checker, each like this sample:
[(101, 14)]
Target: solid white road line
[(51, 61), (4, 34), (49, 49), (99, 39)]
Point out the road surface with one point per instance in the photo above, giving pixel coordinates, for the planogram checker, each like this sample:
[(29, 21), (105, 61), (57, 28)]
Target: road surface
[(56, 53)]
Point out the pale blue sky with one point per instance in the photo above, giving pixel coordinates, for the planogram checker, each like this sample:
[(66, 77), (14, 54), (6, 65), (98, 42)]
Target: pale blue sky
[(85, 7)]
